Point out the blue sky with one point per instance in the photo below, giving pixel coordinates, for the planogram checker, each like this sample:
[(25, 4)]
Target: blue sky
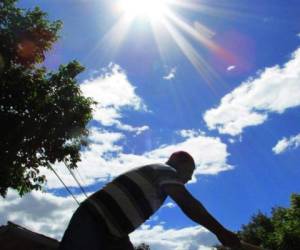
[(220, 79)]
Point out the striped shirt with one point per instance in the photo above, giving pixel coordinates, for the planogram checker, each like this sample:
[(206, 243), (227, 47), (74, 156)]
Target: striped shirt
[(130, 199)]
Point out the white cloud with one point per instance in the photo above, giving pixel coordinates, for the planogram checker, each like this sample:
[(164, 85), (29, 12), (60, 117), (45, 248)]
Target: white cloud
[(274, 90), (169, 205), (235, 140), (94, 164), (104, 159), (188, 238), (126, 127), (209, 153), (113, 92), (49, 215), (105, 138), (40, 212), (231, 140), (231, 67), (189, 133), (171, 74), (287, 144)]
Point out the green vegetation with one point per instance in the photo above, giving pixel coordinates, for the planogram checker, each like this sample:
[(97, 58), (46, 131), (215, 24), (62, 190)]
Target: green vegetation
[(280, 231), (142, 246), (43, 114)]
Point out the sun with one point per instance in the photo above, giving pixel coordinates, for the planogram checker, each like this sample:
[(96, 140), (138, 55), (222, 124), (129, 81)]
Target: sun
[(146, 9), (167, 23)]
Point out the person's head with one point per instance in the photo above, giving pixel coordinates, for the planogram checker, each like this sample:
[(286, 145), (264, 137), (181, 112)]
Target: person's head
[(184, 164)]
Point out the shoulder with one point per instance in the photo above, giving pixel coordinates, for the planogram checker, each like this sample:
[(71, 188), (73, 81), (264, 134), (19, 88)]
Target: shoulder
[(162, 167), (157, 169), (167, 175), (155, 173)]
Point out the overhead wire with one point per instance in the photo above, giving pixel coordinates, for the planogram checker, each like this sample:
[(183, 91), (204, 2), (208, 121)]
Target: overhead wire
[(76, 180), (66, 187), (80, 176)]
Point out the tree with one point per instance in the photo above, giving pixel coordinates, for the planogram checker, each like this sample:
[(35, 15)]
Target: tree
[(280, 231), (142, 246), (43, 114)]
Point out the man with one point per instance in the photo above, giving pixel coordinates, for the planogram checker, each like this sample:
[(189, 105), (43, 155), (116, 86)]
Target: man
[(104, 220)]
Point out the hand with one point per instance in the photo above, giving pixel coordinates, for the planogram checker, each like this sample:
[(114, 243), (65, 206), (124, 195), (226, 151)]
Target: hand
[(229, 239)]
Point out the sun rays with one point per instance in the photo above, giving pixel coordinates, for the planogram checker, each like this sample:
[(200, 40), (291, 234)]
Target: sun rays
[(150, 9), (163, 16)]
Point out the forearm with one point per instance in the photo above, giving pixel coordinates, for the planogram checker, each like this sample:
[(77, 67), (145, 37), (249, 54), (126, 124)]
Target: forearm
[(197, 212)]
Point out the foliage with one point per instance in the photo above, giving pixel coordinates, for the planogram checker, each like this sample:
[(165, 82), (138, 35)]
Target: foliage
[(280, 231), (43, 114), (142, 246)]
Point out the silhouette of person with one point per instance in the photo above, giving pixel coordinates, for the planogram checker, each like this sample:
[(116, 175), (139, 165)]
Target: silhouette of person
[(104, 220)]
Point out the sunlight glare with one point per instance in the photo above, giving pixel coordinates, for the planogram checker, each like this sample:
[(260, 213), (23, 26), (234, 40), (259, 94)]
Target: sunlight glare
[(166, 23), (149, 9)]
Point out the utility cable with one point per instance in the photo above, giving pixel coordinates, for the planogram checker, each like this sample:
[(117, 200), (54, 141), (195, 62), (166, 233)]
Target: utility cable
[(64, 184), (76, 171), (75, 178)]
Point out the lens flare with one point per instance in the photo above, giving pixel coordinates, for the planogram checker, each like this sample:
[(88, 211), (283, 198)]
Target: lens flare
[(166, 22), (148, 9)]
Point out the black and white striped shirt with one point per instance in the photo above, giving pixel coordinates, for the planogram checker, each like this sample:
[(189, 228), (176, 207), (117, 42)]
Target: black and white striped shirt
[(131, 198)]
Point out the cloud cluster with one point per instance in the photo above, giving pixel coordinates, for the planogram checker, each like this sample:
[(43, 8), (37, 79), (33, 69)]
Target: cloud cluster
[(170, 75), (40, 212), (113, 92), (231, 67), (169, 205), (104, 159), (49, 215), (188, 238), (95, 161), (287, 144), (274, 90)]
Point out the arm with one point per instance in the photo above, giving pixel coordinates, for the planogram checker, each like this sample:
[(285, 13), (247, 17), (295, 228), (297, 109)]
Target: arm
[(197, 212)]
